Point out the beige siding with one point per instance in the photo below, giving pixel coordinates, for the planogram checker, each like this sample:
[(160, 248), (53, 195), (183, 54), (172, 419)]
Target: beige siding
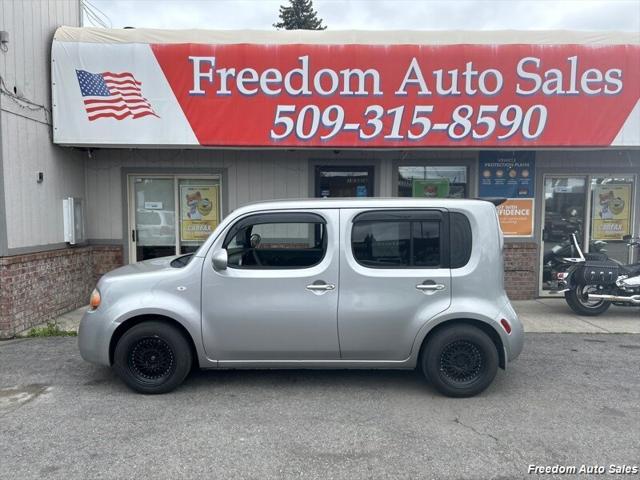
[(250, 175), (34, 211)]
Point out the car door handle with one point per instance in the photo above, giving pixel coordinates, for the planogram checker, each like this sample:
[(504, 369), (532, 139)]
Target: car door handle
[(320, 287), (430, 287)]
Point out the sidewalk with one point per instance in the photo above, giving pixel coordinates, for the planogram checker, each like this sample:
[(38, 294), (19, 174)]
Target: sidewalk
[(553, 315), (544, 315)]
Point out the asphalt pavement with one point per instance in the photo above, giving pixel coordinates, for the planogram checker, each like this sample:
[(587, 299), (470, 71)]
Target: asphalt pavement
[(570, 399)]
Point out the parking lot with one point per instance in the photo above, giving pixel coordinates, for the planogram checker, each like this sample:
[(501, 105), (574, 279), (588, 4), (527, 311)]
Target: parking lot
[(570, 399)]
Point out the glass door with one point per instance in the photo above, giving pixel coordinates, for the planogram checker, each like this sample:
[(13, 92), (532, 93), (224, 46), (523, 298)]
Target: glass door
[(565, 202), (171, 214), (154, 229)]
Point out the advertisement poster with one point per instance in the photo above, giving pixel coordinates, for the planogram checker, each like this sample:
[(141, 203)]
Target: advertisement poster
[(516, 217), (507, 174), (198, 211), (431, 188), (510, 175), (611, 212)]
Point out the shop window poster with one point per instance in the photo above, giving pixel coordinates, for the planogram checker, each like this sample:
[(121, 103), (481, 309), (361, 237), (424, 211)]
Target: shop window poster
[(611, 212), (437, 188), (198, 211), (510, 175)]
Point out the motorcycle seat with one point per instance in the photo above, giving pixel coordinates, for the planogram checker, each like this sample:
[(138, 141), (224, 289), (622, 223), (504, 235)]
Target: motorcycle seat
[(630, 270)]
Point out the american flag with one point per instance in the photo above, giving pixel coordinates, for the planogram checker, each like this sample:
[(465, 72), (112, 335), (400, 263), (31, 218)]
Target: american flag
[(114, 95)]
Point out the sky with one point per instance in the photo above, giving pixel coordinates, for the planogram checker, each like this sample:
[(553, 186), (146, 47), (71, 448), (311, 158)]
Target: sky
[(623, 15)]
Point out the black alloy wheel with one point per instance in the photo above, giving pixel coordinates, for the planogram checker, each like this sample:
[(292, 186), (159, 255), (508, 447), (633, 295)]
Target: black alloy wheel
[(460, 360), (152, 357)]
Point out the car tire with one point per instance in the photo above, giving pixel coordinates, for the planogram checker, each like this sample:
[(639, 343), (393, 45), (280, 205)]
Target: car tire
[(152, 357), (575, 298), (460, 360)]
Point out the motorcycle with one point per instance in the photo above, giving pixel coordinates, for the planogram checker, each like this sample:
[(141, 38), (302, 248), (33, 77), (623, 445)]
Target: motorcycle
[(554, 264), (594, 282)]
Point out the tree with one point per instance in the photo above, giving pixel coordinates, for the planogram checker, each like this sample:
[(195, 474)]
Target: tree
[(299, 15)]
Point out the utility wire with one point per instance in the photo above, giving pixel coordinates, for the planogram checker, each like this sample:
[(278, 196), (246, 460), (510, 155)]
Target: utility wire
[(95, 16)]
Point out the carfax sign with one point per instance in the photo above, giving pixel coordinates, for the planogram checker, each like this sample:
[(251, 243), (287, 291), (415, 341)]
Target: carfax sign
[(127, 87)]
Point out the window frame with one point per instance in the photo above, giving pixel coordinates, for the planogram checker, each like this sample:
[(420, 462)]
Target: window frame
[(411, 216), (277, 218)]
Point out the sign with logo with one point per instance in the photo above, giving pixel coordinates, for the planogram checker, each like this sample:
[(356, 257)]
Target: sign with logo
[(126, 87), (516, 217), (198, 211), (611, 212)]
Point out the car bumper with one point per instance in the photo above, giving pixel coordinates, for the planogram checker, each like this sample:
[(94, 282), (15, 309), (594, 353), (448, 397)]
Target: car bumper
[(94, 337)]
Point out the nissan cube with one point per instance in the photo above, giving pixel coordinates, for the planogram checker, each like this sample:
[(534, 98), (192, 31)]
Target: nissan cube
[(317, 283)]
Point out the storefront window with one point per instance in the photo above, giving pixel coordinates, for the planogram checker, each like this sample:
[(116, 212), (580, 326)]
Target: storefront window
[(430, 181), (344, 181), (599, 225), (171, 215)]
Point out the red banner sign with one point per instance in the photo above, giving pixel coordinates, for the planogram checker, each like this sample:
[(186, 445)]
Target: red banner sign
[(353, 95)]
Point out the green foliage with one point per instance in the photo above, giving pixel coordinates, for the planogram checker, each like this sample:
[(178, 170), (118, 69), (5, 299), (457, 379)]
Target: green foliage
[(299, 15), (50, 330)]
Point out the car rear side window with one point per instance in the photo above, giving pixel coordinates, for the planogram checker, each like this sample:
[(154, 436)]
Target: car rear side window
[(461, 239), (397, 239)]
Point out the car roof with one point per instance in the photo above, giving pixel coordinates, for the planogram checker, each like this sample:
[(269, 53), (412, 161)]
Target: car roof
[(370, 202)]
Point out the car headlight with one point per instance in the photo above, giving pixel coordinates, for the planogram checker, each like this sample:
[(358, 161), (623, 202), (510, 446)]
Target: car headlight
[(95, 299)]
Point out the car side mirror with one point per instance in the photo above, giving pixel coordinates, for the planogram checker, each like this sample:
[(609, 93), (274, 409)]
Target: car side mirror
[(220, 260)]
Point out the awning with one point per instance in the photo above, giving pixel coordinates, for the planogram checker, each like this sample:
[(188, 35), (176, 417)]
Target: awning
[(345, 89)]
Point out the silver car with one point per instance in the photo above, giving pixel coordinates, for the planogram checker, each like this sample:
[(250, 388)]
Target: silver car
[(319, 283)]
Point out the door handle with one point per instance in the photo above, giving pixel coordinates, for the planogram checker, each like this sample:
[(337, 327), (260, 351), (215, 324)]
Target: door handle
[(321, 287), (430, 287)]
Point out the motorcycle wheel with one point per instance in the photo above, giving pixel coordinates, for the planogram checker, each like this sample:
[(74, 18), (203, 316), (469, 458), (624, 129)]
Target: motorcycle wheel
[(578, 299)]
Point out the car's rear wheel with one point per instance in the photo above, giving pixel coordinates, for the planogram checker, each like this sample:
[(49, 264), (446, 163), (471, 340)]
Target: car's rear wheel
[(152, 357), (460, 360)]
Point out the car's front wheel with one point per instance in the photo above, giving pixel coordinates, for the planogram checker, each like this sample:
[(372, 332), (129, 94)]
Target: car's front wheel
[(152, 357), (460, 360)]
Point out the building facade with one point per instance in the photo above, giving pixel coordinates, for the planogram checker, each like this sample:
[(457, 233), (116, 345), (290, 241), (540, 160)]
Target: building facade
[(156, 149)]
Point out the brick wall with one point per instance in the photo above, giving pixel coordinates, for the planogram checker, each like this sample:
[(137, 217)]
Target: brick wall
[(521, 270), (37, 287)]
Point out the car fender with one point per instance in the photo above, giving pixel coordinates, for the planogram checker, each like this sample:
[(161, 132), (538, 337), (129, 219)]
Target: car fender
[(173, 306), (449, 315)]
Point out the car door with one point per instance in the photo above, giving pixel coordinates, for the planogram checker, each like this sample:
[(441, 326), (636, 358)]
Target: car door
[(394, 277), (278, 297)]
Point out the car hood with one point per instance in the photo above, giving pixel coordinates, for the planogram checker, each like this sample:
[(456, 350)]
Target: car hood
[(144, 267)]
